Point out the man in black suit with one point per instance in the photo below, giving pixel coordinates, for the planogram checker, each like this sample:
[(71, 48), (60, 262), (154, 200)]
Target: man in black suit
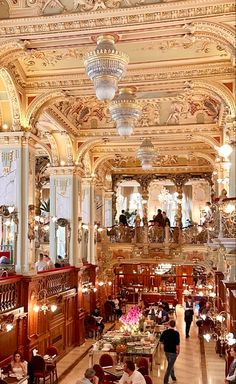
[(123, 218)]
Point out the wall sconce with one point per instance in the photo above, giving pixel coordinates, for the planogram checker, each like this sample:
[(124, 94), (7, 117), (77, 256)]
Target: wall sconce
[(6, 323), (43, 303), (88, 287)]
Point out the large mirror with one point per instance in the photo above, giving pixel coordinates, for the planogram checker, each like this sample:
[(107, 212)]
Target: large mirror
[(8, 235), (62, 238)]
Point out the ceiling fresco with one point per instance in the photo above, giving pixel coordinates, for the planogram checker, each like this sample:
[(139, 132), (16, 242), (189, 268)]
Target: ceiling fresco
[(37, 60), (181, 64)]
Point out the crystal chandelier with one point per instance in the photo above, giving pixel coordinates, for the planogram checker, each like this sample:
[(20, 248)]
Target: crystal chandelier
[(145, 154), (125, 111), (105, 66), (164, 196)]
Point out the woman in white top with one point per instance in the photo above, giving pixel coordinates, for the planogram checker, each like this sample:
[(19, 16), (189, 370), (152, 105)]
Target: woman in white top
[(19, 366)]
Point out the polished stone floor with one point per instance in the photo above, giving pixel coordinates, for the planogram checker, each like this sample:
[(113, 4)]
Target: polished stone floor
[(196, 364)]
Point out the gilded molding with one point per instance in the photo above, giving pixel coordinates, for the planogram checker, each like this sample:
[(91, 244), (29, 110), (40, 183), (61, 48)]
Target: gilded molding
[(9, 47), (112, 18), (211, 31), (218, 90), (147, 76), (13, 98), (41, 101)]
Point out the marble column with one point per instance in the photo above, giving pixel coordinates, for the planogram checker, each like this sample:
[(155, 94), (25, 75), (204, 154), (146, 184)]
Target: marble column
[(65, 203), (232, 172), (88, 215), (179, 206), (145, 196), (230, 130), (107, 209), (18, 189)]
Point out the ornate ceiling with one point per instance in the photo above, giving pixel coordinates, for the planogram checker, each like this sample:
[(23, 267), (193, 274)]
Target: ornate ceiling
[(181, 63)]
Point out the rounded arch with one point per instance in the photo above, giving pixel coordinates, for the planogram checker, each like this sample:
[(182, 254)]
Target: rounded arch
[(218, 90), (53, 144), (14, 102), (47, 150), (211, 31), (208, 140), (11, 47), (206, 157), (39, 103), (86, 146), (101, 160), (66, 153)]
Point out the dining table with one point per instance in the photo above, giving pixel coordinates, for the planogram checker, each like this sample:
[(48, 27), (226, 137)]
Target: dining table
[(14, 380), (140, 345), (116, 371)]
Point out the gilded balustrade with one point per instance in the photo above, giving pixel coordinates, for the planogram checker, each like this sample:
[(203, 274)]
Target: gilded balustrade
[(221, 224), (223, 221)]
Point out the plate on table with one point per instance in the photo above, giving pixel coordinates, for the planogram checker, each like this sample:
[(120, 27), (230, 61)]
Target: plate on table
[(130, 344), (105, 349), (119, 368)]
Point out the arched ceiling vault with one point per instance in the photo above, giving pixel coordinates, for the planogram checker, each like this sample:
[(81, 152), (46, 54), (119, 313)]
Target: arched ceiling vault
[(181, 62)]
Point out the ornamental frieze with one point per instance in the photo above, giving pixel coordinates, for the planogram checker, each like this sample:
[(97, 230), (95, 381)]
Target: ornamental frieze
[(45, 58), (151, 14), (225, 71)]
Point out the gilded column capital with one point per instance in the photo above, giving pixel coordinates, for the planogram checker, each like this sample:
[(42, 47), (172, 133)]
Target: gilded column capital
[(65, 171)]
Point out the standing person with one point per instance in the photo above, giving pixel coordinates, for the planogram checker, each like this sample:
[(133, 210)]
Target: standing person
[(162, 315), (41, 265), (48, 261), (158, 219), (188, 314), (118, 311), (130, 375), (166, 219), (123, 218), (231, 377), (171, 340), (89, 377)]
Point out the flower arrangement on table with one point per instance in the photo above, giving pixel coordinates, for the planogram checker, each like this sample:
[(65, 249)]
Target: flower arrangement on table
[(131, 320)]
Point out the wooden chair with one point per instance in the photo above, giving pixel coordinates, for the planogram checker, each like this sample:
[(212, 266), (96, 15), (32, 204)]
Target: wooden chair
[(52, 351), (148, 379), (106, 360), (40, 371), (99, 373), (143, 366), (91, 326)]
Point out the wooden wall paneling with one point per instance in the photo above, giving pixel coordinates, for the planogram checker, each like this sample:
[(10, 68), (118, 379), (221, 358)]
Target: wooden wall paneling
[(80, 313), (230, 289), (8, 344), (79, 328), (220, 291), (179, 283), (70, 308)]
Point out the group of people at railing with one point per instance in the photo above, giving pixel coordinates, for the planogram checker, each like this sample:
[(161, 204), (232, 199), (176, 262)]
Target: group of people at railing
[(218, 219), (45, 263)]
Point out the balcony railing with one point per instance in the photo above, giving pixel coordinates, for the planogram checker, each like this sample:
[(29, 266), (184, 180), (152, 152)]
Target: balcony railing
[(10, 293), (222, 224), (56, 280), (194, 234)]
